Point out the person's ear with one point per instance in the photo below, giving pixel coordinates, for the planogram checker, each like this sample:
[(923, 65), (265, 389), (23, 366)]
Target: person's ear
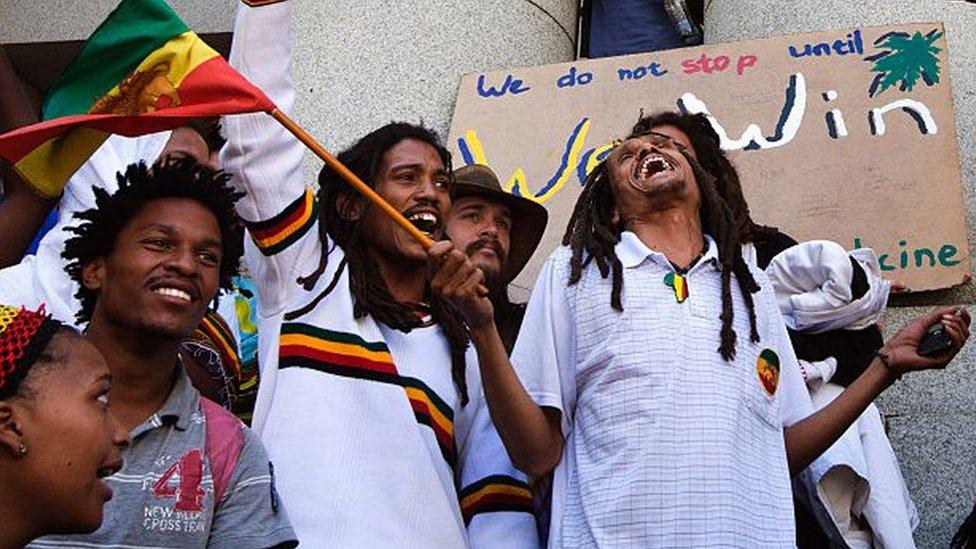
[(351, 207), (93, 274), (11, 434)]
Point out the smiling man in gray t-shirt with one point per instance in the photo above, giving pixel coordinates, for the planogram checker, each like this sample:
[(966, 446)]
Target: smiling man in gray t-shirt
[(148, 261)]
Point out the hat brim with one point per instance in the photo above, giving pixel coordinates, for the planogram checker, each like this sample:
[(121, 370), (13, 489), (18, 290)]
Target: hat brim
[(529, 220)]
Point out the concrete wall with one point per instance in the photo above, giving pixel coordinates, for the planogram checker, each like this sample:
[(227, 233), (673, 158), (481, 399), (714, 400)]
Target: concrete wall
[(358, 63), (59, 20), (933, 428), (362, 63)]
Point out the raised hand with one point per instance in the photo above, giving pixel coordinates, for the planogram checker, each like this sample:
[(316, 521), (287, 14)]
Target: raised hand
[(902, 349), (458, 280)]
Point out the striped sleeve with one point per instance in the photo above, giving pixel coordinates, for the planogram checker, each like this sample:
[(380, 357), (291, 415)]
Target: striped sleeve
[(495, 493), (281, 231), (495, 499), (266, 161)]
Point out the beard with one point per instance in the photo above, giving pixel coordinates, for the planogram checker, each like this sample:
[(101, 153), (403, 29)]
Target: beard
[(673, 186), (492, 275), (145, 326)]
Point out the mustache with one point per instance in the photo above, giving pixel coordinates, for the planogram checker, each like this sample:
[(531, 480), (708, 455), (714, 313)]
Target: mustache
[(486, 243)]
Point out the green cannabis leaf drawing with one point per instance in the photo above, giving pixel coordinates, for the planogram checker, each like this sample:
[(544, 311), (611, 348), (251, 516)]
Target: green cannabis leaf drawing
[(905, 58)]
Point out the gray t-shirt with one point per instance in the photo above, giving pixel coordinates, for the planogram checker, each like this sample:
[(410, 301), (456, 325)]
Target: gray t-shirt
[(164, 494)]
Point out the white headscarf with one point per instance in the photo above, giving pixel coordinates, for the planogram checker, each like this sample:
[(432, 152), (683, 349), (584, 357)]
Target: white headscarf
[(812, 282)]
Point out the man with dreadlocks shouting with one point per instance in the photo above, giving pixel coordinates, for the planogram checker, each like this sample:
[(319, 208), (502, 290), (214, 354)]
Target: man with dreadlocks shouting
[(370, 406), (148, 261), (655, 370)]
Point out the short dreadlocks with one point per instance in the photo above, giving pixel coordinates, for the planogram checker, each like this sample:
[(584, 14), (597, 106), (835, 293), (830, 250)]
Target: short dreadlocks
[(592, 228), (371, 296), (172, 177)]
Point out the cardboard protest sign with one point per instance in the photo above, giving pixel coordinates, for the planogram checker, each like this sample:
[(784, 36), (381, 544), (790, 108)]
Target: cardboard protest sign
[(845, 135)]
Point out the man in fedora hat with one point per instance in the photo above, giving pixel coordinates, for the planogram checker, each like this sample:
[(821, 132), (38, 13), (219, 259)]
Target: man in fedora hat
[(499, 232)]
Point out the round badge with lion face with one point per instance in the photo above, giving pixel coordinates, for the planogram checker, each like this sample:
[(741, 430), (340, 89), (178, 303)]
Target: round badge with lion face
[(767, 366)]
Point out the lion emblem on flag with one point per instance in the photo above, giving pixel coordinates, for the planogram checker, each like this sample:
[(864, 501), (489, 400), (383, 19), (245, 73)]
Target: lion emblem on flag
[(139, 93)]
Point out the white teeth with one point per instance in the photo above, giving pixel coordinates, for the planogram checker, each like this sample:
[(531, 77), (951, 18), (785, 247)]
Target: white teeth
[(424, 216), (651, 160), (425, 221), (173, 292)]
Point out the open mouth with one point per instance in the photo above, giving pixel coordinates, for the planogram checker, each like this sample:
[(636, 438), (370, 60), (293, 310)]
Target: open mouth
[(175, 289), (109, 470), (427, 222), (650, 165)]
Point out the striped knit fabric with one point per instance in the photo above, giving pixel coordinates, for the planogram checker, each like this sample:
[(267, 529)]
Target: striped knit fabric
[(287, 227), (364, 424)]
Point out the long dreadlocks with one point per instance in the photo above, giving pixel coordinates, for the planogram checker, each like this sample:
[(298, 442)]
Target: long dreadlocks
[(370, 293), (593, 230)]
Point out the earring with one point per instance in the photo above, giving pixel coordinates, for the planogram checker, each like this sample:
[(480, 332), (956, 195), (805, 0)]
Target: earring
[(22, 450)]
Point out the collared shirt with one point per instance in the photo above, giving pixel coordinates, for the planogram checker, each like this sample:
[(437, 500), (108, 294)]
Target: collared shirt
[(667, 444), (164, 494)]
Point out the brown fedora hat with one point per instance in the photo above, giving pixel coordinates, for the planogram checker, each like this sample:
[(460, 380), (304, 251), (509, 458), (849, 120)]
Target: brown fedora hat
[(529, 218)]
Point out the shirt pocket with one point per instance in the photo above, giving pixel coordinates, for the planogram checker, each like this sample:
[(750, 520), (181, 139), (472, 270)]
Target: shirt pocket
[(760, 379)]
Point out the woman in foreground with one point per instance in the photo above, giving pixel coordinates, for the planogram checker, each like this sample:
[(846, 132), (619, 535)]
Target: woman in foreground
[(57, 437)]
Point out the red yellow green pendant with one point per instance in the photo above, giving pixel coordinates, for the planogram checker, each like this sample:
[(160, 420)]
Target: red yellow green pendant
[(679, 284)]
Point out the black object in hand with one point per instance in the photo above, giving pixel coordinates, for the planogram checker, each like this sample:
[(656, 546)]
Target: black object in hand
[(936, 341)]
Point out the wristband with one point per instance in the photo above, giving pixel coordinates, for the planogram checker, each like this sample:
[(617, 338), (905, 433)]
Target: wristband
[(886, 362)]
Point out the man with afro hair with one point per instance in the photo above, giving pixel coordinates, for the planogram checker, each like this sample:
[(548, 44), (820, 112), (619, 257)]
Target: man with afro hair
[(149, 260), (217, 353)]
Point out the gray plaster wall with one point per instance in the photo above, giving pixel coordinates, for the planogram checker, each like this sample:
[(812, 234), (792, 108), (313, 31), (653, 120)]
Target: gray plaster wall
[(932, 426), (358, 63), (25, 21), (362, 63)]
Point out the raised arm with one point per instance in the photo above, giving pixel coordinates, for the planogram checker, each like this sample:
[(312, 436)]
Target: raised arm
[(531, 431), (267, 162), (807, 439), (22, 211)]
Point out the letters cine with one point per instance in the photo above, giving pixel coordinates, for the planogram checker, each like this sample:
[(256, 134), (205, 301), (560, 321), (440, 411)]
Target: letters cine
[(816, 123)]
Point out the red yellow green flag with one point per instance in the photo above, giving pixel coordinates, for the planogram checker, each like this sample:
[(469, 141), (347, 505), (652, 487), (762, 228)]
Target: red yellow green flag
[(142, 71)]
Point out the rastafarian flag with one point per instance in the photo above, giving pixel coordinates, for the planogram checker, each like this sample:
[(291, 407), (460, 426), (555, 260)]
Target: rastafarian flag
[(142, 71)]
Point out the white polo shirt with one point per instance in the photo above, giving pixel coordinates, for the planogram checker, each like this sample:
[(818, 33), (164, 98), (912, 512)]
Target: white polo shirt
[(667, 444)]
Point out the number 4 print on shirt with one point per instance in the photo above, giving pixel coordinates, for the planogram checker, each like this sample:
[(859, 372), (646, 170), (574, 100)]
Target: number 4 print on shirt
[(189, 496)]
